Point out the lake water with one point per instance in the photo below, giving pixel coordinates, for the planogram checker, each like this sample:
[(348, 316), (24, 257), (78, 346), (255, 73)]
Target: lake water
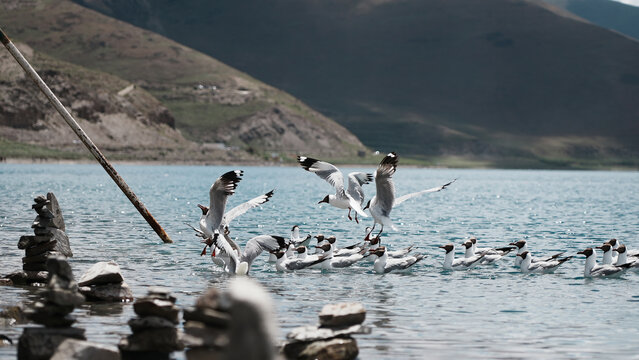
[(488, 312)]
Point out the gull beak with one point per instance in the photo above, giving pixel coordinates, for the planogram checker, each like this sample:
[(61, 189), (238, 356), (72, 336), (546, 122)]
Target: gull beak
[(581, 253)]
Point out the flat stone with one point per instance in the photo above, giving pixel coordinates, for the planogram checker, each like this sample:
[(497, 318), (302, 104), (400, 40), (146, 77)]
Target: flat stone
[(40, 248), (34, 267), (207, 316), (210, 299), (42, 258), (42, 222), (107, 292), (334, 349), (27, 241), (203, 353), (40, 343), (59, 265), (161, 340), (83, 350), (162, 293), (40, 199), (149, 322), (44, 213), (156, 307), (48, 231), (197, 334), (62, 242), (101, 273), (27, 277), (6, 282), (64, 297), (140, 355), (313, 333), (342, 314), (50, 315)]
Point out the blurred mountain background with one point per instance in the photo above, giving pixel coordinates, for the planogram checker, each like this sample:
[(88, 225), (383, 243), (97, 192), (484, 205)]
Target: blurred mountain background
[(491, 83)]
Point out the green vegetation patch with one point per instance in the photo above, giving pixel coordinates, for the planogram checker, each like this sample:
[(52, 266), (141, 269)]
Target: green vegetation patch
[(12, 149)]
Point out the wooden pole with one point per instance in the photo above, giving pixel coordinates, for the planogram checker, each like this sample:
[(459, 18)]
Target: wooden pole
[(83, 137)]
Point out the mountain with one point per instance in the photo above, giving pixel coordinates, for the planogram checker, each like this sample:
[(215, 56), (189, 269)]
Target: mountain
[(605, 13), (215, 107), (494, 82)]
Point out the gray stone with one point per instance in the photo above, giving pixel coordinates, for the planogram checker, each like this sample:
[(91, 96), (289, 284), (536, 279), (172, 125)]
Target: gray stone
[(34, 267), (37, 276), (42, 222), (40, 199), (101, 273), (27, 241), (149, 322), (48, 231), (108, 292), (312, 333), (59, 265), (161, 340), (64, 297), (342, 314), (162, 293), (39, 343), (210, 299), (126, 354), (51, 315), (40, 248), (202, 353), (197, 334), (156, 307), (62, 242), (83, 350), (44, 213), (207, 316), (334, 349), (42, 258), (55, 209)]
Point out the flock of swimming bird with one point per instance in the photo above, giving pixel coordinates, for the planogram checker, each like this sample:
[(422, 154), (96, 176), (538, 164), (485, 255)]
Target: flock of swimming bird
[(293, 254)]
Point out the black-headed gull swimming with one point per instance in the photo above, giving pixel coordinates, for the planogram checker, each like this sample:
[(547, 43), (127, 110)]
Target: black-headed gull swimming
[(522, 246), (341, 261), (607, 258), (383, 264), (450, 263), (592, 269), (490, 256), (544, 267), (286, 263), (351, 198)]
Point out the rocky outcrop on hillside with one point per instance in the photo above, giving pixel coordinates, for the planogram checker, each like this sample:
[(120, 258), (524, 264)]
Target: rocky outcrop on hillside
[(172, 100)]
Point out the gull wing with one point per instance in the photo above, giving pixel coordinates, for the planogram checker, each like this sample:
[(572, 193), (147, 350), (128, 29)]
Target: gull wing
[(355, 182), (403, 263), (325, 171), (403, 198), (385, 195), (244, 207), (221, 189), (256, 245)]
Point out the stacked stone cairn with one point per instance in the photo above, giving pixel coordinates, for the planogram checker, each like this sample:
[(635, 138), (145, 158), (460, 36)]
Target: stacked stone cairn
[(104, 282), (331, 339), (49, 239), (238, 323), (154, 333), (60, 298)]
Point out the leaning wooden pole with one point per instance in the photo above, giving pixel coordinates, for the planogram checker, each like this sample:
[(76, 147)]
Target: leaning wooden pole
[(84, 138)]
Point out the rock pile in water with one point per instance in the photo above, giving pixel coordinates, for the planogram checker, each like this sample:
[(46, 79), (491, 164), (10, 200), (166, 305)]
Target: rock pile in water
[(331, 339), (49, 239), (235, 324), (59, 300), (154, 333), (104, 282)]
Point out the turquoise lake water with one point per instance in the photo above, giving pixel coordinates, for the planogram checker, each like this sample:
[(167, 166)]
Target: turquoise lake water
[(487, 312)]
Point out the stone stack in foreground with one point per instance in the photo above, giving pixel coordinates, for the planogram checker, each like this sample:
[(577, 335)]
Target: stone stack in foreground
[(104, 282), (154, 333), (60, 298), (49, 239), (238, 323), (332, 339)]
